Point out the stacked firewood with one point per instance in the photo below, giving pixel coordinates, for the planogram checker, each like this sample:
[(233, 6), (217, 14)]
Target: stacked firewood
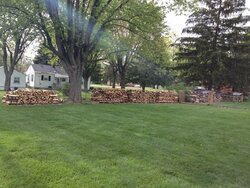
[(133, 96), (232, 97), (197, 98), (20, 97), (225, 89), (109, 96), (166, 97), (142, 97)]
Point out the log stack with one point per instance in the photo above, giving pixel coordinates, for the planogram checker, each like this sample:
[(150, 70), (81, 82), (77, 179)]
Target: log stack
[(226, 89), (133, 96), (109, 96), (197, 98), (167, 97), (29, 97), (232, 97), (141, 97)]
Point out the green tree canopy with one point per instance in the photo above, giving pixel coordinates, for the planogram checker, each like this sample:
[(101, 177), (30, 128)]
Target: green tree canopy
[(214, 45)]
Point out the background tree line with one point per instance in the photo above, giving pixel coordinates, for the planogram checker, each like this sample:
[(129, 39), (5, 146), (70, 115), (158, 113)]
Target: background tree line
[(131, 39)]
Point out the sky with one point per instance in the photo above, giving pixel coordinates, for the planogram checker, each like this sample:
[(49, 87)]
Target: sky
[(177, 23)]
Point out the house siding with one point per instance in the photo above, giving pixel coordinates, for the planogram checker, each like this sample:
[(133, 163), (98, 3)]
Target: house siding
[(45, 84), (21, 76), (30, 82)]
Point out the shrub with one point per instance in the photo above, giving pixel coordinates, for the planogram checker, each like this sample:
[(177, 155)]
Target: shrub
[(65, 89)]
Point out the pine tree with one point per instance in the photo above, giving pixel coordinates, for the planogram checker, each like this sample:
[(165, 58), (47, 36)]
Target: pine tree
[(214, 49)]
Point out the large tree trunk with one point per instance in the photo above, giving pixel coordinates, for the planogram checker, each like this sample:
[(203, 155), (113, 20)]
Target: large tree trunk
[(8, 71), (75, 79), (123, 78)]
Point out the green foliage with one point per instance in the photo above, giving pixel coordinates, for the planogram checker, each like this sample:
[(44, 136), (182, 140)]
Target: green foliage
[(45, 56), (216, 50), (65, 89), (97, 74), (151, 66), (179, 86), (181, 6)]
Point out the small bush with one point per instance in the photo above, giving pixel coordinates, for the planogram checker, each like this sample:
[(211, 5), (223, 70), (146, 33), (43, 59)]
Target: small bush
[(65, 89)]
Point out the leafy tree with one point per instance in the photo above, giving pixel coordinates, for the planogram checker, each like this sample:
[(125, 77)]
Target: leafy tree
[(180, 6), (110, 73), (130, 38), (78, 26), (215, 48), (73, 29), (151, 67), (16, 33)]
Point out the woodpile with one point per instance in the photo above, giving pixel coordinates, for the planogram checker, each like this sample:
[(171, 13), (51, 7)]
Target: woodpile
[(225, 89), (29, 97), (109, 96), (133, 96), (137, 96), (195, 97), (166, 97), (232, 97)]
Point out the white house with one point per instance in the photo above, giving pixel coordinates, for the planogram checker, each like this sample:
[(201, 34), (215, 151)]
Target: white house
[(17, 79), (46, 76)]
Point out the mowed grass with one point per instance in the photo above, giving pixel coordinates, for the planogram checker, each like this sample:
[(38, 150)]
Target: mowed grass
[(127, 145)]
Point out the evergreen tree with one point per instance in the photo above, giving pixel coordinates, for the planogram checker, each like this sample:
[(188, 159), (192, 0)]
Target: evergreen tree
[(215, 45), (46, 57)]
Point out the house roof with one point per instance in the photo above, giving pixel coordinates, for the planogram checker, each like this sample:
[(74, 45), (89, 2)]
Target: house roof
[(49, 69)]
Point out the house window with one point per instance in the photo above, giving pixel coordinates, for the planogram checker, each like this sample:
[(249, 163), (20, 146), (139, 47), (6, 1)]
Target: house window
[(63, 79), (49, 78), (32, 78), (16, 80), (42, 77)]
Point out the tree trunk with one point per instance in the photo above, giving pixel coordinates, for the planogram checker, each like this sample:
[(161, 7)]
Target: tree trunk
[(113, 77), (113, 82), (8, 70), (75, 78), (123, 79), (143, 87), (210, 85), (7, 81), (86, 83)]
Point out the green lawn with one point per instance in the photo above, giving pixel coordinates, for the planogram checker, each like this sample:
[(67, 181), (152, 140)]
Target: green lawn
[(237, 105), (127, 145)]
